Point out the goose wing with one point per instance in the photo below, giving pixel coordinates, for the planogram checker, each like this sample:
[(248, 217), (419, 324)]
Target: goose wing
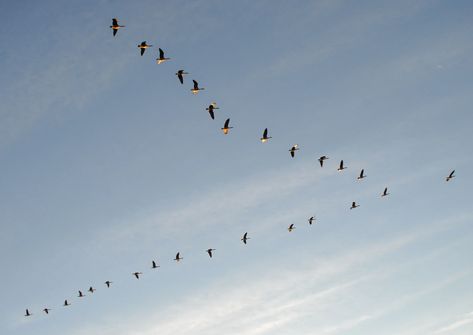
[(114, 22), (227, 122), (161, 53), (265, 133)]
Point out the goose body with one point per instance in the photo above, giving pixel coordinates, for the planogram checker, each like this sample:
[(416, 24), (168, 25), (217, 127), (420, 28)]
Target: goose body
[(115, 26), (385, 192), (209, 251), (161, 58), (341, 166), (226, 128), (211, 109), (178, 257), (362, 174), (180, 75), (293, 150), (265, 137), (196, 88), (143, 46), (322, 159), (450, 176)]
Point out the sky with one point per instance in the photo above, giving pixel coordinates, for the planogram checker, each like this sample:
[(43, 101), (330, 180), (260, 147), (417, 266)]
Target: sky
[(108, 162)]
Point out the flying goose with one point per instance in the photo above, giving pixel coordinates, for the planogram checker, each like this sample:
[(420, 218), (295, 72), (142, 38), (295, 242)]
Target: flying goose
[(245, 238), (362, 174), (341, 167), (196, 88), (161, 58), (265, 137), (91, 289), (46, 310), (178, 257), (450, 176), (385, 192), (81, 295), (311, 220), (66, 303), (211, 108), (180, 74), (209, 251), (354, 205), (226, 128), (115, 26), (27, 313), (143, 46), (137, 274), (293, 150), (291, 227), (108, 282), (154, 265), (321, 160)]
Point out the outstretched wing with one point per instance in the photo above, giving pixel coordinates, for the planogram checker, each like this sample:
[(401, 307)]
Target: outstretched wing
[(114, 22), (196, 85), (161, 53)]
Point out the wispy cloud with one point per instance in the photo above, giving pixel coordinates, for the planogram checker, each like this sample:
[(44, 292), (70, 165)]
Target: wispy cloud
[(462, 321)]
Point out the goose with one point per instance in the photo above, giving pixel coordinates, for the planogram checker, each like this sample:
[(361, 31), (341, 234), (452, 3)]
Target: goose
[(27, 313), (311, 220), (245, 238), (137, 274), (180, 74), (209, 251), (178, 257), (115, 26), (161, 58), (385, 192), (46, 310), (341, 167), (143, 46), (108, 282), (66, 303), (154, 265), (81, 295), (226, 128), (196, 88), (362, 174), (91, 289), (321, 160), (293, 150), (211, 108), (354, 205), (265, 137), (291, 227), (450, 176)]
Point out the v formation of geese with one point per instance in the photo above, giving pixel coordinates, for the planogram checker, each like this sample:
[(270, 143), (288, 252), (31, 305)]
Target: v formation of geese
[(225, 129)]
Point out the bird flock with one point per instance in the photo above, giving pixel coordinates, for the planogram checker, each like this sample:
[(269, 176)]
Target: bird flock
[(225, 129)]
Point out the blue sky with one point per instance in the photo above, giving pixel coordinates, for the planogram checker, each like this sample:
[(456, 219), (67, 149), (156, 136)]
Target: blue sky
[(107, 162)]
